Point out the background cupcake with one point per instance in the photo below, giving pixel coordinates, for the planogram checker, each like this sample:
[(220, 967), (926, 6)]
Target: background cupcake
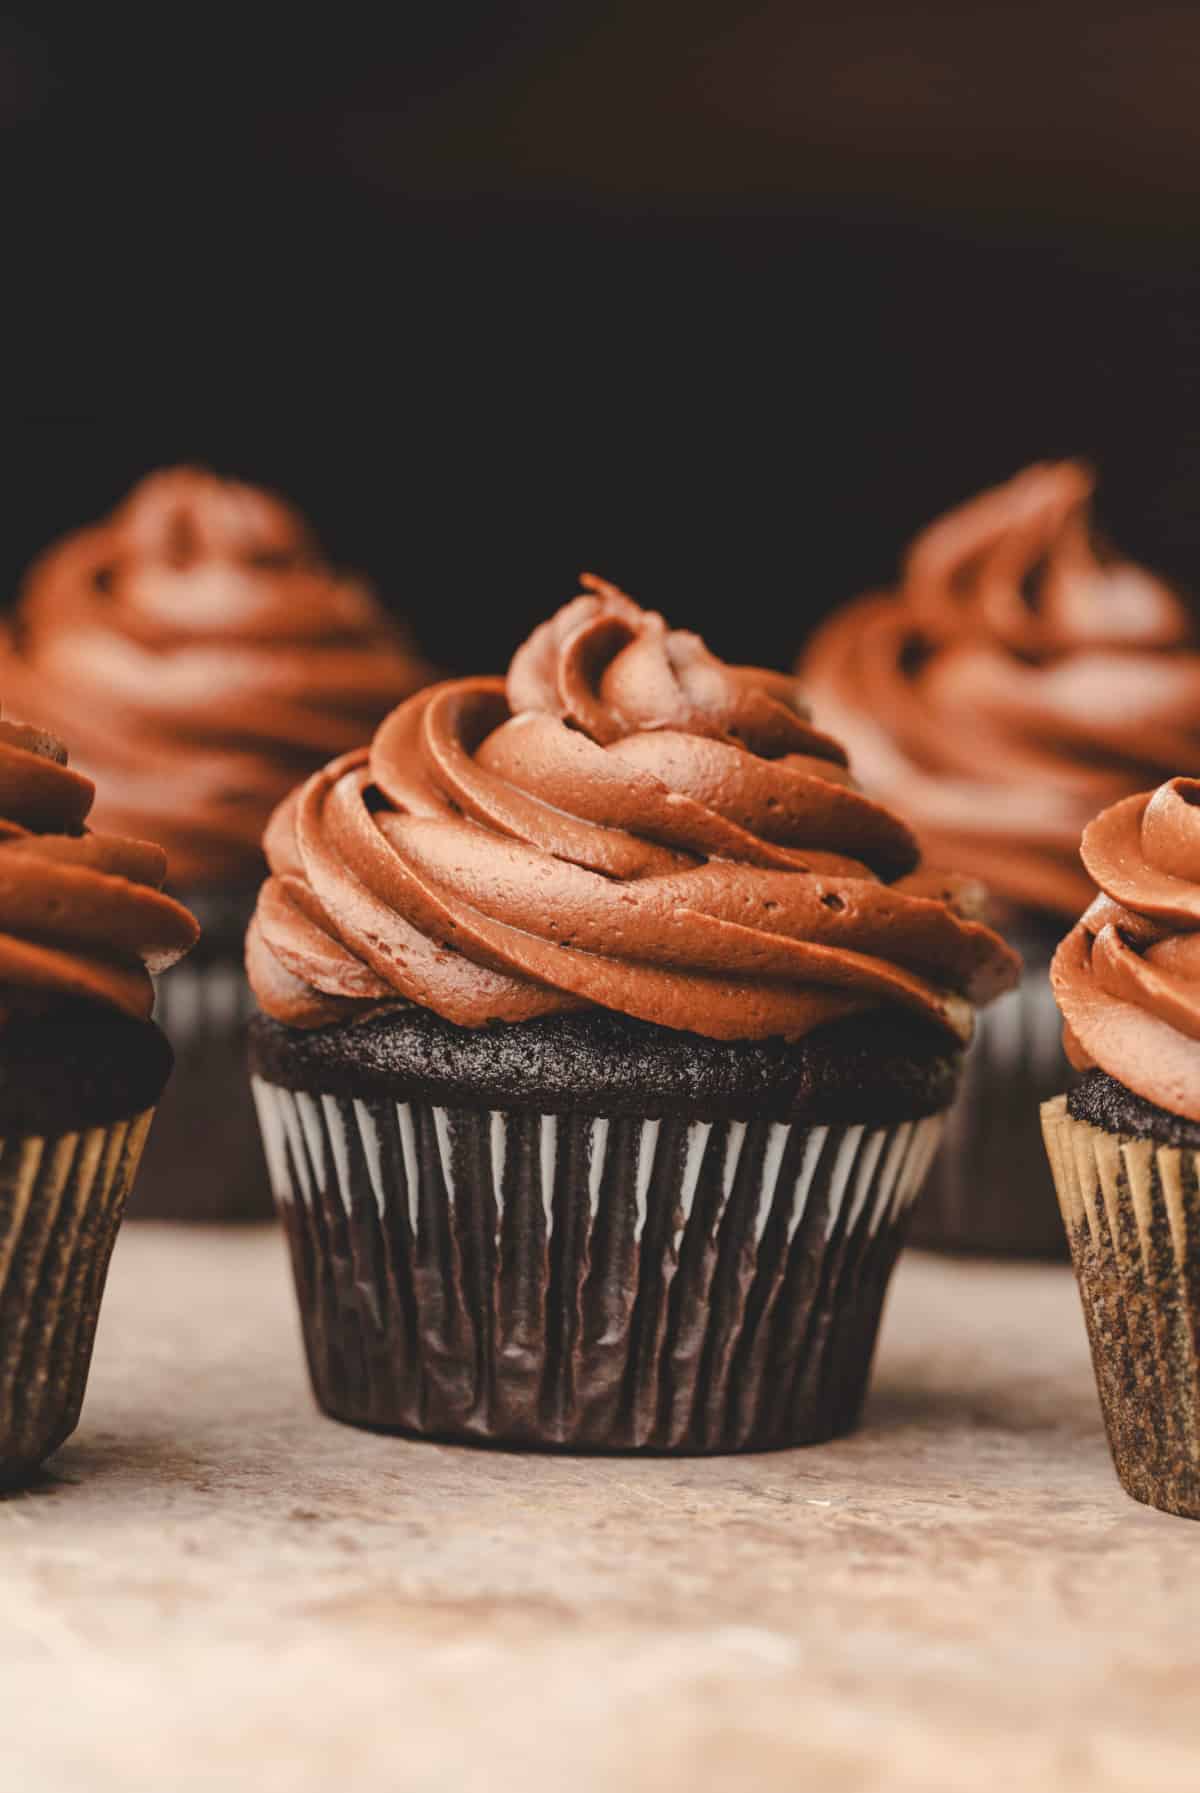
[(609, 1028), (1021, 678), (1124, 1144), (83, 924), (202, 657)]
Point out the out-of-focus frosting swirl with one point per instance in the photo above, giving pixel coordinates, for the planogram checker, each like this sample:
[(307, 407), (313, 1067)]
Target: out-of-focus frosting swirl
[(1020, 679), (201, 658), (626, 823), (82, 916), (1127, 977)]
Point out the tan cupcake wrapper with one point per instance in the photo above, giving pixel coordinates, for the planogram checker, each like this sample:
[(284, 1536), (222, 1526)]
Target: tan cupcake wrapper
[(61, 1202), (1132, 1213)]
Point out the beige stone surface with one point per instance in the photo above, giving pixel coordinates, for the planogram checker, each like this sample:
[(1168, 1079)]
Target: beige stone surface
[(217, 1588)]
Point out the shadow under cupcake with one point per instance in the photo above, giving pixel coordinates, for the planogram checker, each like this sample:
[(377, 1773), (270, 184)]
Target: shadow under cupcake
[(607, 1033), (1020, 678), (202, 657)]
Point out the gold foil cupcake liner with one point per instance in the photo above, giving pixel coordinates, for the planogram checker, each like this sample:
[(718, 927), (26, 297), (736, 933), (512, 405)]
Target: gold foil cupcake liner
[(1131, 1208), (588, 1282), (61, 1202)]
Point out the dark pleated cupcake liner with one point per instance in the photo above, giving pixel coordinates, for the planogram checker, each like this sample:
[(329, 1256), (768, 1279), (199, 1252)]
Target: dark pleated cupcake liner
[(204, 1160), (989, 1190), (61, 1202), (585, 1282), (1132, 1214)]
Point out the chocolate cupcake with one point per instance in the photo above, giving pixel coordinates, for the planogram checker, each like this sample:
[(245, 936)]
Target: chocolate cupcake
[(202, 657), (1020, 678), (1124, 1143), (83, 924), (607, 1033)]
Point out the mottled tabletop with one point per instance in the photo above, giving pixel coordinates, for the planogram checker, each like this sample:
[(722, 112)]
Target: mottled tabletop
[(214, 1587)]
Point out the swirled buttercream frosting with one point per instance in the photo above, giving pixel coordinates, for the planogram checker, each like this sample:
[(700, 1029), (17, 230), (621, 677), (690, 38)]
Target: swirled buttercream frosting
[(201, 657), (1020, 678), (1127, 976), (83, 918), (625, 823)]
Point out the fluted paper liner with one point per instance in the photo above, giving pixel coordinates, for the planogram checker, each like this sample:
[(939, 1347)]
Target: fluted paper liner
[(1132, 1213), (988, 1190), (204, 1160), (581, 1281), (61, 1201)]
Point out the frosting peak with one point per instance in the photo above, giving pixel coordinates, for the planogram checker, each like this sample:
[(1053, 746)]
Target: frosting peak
[(1021, 677), (611, 669), (626, 823), (82, 916), (1127, 977), (184, 514), (202, 657)]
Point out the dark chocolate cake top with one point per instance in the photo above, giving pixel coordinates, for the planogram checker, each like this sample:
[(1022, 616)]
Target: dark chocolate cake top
[(1103, 1102), (871, 1069)]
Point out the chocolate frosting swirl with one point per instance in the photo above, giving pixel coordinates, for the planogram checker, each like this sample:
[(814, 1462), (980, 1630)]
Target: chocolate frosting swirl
[(625, 823), (1127, 977), (82, 916), (201, 658), (1021, 678)]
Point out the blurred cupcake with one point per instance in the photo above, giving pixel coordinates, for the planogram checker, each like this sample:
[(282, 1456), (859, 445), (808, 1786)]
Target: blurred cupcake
[(83, 924), (607, 1032), (1124, 1144), (201, 657), (1020, 678)]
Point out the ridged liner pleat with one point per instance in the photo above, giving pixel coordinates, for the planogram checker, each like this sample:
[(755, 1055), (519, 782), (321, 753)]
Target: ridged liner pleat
[(204, 1160), (988, 1190), (584, 1281), (1132, 1214), (61, 1202)]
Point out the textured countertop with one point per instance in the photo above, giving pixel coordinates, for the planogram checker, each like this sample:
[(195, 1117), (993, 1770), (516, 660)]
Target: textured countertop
[(216, 1588)]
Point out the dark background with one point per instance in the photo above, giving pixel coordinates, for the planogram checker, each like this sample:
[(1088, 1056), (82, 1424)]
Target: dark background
[(720, 301)]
